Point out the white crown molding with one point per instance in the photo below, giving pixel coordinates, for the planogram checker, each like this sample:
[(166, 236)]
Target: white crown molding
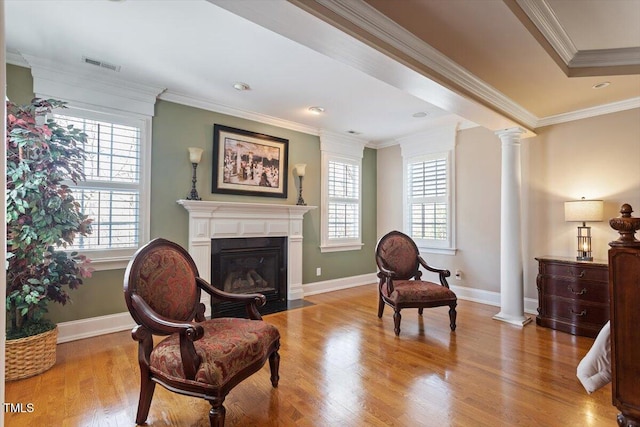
[(543, 17), (372, 21), (440, 122), (342, 138), (606, 57), (84, 85), (209, 105), (546, 21), (384, 144), (434, 140), (600, 110), (336, 143), (15, 58)]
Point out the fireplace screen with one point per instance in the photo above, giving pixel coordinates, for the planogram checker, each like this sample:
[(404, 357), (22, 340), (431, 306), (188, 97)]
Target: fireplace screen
[(249, 265)]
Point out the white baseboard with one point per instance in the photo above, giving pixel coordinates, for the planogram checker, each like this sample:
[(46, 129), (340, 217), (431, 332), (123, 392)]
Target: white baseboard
[(95, 326), (337, 284), (531, 306), (491, 298)]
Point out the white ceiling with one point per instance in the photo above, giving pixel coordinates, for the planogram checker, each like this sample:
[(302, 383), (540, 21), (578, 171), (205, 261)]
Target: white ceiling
[(196, 50)]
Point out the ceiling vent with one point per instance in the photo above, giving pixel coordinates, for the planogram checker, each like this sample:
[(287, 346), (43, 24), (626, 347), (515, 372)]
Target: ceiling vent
[(100, 64)]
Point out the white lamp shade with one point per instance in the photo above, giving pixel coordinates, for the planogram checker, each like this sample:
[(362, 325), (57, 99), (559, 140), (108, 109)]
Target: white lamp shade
[(583, 210), (195, 154), (301, 169)]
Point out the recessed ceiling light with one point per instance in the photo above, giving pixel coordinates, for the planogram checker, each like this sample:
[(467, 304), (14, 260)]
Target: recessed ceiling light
[(316, 110), (601, 85), (241, 86), (420, 114)]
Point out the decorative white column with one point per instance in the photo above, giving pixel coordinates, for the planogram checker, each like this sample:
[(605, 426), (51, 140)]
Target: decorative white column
[(511, 268)]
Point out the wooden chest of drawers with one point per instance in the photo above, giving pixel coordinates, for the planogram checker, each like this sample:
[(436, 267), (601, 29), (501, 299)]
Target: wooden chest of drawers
[(573, 296)]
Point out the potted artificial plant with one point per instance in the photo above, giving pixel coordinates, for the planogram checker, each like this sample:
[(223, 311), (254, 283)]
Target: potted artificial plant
[(43, 218)]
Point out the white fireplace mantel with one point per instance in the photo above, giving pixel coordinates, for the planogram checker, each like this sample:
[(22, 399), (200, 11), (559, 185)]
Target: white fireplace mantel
[(216, 220)]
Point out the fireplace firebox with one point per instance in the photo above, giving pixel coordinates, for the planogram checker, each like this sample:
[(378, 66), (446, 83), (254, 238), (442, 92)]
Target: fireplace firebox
[(249, 265)]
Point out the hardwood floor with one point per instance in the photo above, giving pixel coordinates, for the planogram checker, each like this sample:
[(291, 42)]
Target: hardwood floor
[(342, 366)]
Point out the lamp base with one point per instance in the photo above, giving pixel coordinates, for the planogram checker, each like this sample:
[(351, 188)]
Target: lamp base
[(584, 243), (193, 195), (300, 199)]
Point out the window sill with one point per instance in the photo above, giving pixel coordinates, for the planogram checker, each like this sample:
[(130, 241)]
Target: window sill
[(340, 248), (103, 264), (108, 259), (441, 251)]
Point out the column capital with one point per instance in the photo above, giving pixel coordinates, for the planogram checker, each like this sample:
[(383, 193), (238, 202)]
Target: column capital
[(511, 134)]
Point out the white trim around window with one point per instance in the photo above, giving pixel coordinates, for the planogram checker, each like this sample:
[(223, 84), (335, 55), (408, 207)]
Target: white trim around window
[(428, 193), (97, 96), (341, 193), (118, 257)]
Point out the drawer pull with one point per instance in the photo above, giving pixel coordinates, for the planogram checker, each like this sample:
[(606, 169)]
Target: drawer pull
[(579, 276), (582, 313), (582, 292)]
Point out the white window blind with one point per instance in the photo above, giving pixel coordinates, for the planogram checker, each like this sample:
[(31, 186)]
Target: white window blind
[(344, 200), (110, 195), (427, 189)]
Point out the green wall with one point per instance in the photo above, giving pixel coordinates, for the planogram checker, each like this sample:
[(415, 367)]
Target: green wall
[(176, 127)]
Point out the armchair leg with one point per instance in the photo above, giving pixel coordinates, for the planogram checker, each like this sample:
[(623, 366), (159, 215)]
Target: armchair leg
[(274, 365), (396, 322), (380, 305), (217, 413), (452, 316), (147, 388), (420, 310)]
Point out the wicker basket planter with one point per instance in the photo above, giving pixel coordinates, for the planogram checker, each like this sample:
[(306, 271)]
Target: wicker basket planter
[(26, 357)]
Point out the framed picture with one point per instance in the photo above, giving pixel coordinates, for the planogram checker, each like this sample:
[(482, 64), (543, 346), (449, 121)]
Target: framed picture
[(249, 163)]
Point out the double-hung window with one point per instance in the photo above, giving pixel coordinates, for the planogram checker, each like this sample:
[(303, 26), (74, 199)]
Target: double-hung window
[(116, 115), (344, 200), (428, 198), (113, 193), (341, 195), (429, 209)]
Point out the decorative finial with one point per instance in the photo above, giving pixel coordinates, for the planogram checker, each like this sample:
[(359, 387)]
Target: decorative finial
[(626, 225)]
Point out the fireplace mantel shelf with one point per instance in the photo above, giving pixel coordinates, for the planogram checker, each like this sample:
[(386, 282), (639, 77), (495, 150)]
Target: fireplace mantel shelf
[(242, 207), (215, 219)]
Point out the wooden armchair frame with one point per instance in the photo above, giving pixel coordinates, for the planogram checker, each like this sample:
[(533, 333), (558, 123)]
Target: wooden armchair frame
[(150, 322), (390, 276)]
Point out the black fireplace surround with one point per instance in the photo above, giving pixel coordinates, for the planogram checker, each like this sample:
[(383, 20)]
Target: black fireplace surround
[(249, 265)]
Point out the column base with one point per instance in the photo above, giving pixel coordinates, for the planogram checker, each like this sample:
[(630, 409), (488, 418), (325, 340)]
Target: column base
[(514, 320)]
